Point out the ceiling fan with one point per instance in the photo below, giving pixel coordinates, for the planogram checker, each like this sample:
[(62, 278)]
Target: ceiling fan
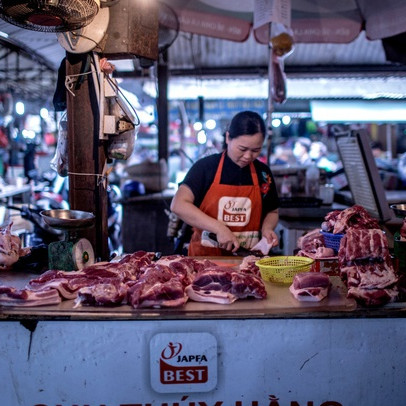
[(49, 15)]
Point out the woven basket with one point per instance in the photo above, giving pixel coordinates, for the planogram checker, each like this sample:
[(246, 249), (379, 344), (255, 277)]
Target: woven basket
[(282, 269), (332, 240)]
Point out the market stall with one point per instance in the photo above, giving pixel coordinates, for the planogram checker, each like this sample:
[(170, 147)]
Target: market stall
[(276, 351), (173, 330), (267, 350)]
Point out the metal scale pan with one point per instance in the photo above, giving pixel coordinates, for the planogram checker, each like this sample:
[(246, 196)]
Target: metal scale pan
[(73, 253), (399, 209), (68, 219)]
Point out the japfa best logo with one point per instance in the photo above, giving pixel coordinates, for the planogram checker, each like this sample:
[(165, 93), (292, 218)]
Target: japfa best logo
[(234, 211), (192, 372), (183, 362)]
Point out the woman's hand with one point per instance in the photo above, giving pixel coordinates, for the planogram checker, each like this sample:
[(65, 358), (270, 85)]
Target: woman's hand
[(271, 237), (226, 239), (182, 205), (268, 226)]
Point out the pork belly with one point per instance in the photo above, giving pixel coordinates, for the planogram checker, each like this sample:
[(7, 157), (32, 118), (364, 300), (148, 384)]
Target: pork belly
[(10, 296), (223, 285)]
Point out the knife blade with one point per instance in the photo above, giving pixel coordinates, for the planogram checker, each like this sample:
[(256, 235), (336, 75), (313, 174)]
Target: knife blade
[(241, 251)]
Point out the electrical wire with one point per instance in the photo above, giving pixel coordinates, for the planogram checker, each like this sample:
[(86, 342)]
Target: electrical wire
[(97, 44), (114, 84)]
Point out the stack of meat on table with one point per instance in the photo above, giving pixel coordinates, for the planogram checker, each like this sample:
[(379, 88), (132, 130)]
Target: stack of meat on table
[(364, 259), (140, 281)]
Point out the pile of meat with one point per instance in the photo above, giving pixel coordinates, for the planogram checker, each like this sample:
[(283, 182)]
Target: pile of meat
[(339, 221), (141, 282), (364, 259), (366, 267), (312, 244)]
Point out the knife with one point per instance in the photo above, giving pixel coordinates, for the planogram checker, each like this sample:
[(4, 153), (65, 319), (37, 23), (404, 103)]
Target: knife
[(241, 251)]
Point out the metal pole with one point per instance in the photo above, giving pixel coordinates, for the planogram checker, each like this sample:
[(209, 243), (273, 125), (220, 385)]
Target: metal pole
[(389, 154)]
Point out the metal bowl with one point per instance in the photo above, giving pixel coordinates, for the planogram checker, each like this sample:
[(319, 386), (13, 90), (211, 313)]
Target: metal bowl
[(68, 219), (399, 209)]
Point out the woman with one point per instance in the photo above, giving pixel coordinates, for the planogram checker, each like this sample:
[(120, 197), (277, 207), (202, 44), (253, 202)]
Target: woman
[(231, 195)]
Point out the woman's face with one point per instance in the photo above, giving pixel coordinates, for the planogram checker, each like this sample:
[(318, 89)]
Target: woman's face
[(245, 148)]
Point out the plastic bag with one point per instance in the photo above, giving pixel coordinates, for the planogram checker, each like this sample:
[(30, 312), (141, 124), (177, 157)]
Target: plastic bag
[(121, 146), (281, 40), (282, 46), (279, 80), (59, 162)]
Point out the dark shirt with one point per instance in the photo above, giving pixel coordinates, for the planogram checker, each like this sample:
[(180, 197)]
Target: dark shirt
[(201, 176)]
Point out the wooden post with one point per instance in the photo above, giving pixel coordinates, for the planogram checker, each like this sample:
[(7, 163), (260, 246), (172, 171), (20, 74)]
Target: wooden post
[(86, 153), (163, 107)]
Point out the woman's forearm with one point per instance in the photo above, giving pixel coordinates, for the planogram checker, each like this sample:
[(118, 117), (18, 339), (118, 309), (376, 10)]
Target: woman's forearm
[(182, 205)]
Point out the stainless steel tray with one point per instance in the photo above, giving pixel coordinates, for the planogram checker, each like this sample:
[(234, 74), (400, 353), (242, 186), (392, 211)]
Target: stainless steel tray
[(68, 219), (399, 209)]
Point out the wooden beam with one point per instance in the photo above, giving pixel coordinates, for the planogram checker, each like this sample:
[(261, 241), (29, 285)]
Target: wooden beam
[(86, 153)]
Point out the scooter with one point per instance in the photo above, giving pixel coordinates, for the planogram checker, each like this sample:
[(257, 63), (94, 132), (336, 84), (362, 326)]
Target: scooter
[(51, 192)]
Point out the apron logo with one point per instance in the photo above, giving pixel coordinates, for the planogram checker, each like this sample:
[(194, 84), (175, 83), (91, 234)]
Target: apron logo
[(178, 373), (183, 362), (234, 211)]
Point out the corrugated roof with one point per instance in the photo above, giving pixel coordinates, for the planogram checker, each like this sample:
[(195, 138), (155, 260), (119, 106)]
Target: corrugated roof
[(196, 58)]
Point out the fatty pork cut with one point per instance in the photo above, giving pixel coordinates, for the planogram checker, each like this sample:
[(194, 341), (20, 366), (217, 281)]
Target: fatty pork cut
[(15, 297), (310, 286), (159, 286), (140, 282), (366, 267), (248, 265), (69, 284), (363, 244), (311, 241), (223, 285), (338, 222)]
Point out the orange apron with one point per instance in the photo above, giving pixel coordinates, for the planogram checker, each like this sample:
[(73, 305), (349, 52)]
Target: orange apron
[(238, 207)]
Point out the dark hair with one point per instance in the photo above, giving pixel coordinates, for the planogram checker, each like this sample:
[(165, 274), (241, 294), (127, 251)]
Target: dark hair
[(246, 123), (376, 145)]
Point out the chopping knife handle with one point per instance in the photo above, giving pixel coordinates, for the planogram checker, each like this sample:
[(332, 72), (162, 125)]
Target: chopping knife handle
[(213, 236)]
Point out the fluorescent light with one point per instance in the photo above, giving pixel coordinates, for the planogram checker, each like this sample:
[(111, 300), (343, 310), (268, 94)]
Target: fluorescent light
[(211, 124), (201, 137), (286, 120), (20, 108), (358, 111), (197, 126), (28, 134), (44, 113)]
